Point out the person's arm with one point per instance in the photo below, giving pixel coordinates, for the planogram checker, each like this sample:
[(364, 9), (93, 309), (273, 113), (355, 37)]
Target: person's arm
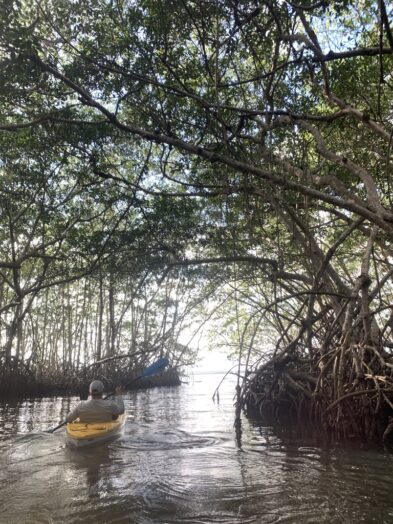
[(73, 415)]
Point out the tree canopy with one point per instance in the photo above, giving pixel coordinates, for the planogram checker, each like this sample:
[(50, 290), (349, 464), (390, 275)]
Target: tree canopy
[(238, 151)]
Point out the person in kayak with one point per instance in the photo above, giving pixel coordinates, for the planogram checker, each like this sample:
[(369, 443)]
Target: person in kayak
[(97, 409)]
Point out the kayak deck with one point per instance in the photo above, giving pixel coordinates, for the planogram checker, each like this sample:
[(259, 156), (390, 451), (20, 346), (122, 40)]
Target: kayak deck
[(81, 434)]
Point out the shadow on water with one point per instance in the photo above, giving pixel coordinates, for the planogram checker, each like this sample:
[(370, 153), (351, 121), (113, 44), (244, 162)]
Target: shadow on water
[(177, 462), (91, 464)]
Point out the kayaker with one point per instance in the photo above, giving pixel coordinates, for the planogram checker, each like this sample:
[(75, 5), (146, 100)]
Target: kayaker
[(97, 409)]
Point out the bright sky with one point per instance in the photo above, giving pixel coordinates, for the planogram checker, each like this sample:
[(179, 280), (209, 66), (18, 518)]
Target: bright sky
[(213, 361)]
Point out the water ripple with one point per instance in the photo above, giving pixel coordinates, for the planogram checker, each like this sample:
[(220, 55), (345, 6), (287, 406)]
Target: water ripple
[(177, 462)]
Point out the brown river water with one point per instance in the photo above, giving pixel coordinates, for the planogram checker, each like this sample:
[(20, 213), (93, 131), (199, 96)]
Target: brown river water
[(177, 462)]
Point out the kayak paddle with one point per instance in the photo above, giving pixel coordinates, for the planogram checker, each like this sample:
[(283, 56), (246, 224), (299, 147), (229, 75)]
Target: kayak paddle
[(153, 369)]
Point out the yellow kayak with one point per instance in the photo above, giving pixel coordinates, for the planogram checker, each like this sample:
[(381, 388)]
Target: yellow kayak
[(81, 434)]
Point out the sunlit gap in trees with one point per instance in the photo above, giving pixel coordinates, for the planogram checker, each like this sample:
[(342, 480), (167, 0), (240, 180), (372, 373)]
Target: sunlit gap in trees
[(337, 35)]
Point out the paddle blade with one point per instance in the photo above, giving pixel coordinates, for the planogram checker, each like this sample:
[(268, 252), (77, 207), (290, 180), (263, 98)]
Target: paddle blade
[(156, 367)]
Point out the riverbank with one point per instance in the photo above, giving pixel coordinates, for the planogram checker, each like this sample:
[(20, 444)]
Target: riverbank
[(20, 384), (290, 390)]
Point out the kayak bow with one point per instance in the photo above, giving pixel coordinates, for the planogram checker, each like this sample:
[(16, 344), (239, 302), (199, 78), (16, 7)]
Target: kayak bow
[(81, 434)]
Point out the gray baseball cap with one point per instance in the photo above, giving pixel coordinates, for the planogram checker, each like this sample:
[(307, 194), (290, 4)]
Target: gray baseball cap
[(96, 387)]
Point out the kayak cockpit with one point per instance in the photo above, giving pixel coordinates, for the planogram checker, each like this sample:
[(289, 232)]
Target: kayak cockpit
[(80, 434)]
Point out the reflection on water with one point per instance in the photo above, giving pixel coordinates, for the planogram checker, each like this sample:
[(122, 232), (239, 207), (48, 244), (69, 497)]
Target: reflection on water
[(177, 462)]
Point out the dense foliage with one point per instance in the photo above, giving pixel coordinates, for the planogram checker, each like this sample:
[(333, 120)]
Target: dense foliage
[(235, 152)]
